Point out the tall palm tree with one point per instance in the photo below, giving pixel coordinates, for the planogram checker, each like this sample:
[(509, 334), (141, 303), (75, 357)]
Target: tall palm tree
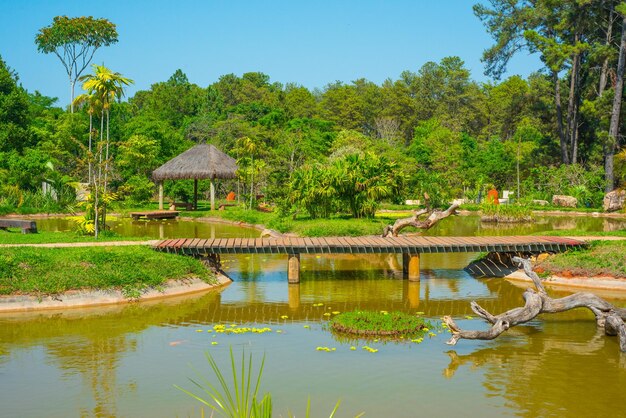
[(104, 86), (93, 106)]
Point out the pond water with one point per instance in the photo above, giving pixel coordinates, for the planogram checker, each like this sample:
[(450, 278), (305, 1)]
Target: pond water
[(124, 360)]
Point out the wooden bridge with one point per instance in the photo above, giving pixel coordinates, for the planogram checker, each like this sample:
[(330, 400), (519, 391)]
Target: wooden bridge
[(410, 247)]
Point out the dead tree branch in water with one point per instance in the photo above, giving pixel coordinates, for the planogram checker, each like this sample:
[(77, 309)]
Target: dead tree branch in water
[(609, 317), (433, 217)]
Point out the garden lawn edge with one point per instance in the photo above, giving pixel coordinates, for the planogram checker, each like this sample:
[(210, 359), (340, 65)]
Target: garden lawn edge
[(599, 282), (95, 297)]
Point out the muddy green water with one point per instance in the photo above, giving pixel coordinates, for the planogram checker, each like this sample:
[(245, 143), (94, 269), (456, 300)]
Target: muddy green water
[(124, 360)]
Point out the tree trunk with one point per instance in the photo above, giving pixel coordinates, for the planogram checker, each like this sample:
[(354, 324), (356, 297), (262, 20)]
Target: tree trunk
[(615, 113), (72, 83), (90, 163), (434, 216), (559, 117), (605, 64), (572, 107), (538, 302)]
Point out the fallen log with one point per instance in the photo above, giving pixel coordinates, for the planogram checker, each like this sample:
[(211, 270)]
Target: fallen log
[(433, 217), (537, 301)]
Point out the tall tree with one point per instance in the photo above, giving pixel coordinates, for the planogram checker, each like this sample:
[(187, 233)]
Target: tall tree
[(559, 31), (74, 40), (105, 86), (617, 105)]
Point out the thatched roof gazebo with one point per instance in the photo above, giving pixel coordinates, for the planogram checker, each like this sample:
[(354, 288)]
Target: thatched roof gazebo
[(202, 161)]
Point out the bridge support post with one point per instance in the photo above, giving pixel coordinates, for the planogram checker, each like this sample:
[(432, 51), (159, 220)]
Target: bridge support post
[(411, 267), (294, 295), (412, 294), (293, 271)]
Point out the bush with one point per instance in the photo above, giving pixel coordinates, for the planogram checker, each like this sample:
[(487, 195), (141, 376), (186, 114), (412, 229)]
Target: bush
[(586, 184), (137, 190)]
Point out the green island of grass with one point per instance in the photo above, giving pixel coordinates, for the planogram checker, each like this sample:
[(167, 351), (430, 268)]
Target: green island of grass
[(384, 324), (133, 269)]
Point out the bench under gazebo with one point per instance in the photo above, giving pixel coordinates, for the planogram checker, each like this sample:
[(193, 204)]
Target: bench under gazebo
[(203, 161)]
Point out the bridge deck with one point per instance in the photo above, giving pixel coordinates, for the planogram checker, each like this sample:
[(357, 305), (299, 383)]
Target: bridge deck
[(365, 245)]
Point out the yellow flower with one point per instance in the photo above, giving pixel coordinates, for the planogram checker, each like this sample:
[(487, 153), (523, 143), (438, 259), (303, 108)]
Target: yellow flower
[(326, 314), (284, 317), (307, 326), (199, 330), (352, 348), (336, 312), (214, 343)]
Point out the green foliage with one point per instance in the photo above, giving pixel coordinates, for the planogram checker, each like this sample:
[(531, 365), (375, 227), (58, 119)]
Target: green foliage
[(240, 401), (506, 213), (67, 33), (14, 112), (586, 184), (137, 190), (137, 156), (15, 200), (357, 183)]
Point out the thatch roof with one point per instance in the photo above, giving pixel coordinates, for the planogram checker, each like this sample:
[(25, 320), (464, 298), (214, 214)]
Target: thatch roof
[(200, 162)]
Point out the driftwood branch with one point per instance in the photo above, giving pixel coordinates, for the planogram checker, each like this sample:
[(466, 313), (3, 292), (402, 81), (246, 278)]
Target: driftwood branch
[(537, 302), (433, 216)]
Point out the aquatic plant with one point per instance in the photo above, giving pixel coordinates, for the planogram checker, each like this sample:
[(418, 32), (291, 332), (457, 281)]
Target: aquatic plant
[(382, 323), (505, 213), (242, 400)]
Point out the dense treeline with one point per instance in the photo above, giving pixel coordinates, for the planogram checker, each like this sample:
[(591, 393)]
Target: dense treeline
[(433, 130)]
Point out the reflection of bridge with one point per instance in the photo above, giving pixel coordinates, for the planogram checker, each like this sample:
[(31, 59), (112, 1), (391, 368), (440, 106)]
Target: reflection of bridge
[(409, 247)]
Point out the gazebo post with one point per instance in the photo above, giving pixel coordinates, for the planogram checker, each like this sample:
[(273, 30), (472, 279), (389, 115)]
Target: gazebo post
[(212, 195), (161, 195), (195, 194)]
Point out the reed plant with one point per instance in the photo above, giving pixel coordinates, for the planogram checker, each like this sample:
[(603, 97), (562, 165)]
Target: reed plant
[(241, 399), (505, 213)]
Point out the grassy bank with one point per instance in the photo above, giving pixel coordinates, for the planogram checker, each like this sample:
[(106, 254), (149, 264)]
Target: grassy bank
[(302, 226), (38, 271), (582, 233), (607, 258)]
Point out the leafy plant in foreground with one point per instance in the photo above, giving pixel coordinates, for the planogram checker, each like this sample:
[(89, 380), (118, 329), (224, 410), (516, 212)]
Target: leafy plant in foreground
[(242, 400)]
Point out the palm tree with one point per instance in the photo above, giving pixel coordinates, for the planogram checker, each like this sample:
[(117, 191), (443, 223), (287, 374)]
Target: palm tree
[(94, 105), (104, 86)]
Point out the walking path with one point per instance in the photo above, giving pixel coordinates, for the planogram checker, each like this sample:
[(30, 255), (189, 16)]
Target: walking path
[(86, 244)]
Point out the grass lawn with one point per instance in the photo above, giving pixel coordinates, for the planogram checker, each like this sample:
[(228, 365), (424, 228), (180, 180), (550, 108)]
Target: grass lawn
[(304, 226), (38, 271), (600, 258)]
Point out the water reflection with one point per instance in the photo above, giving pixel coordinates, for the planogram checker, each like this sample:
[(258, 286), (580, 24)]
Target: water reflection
[(123, 360), (540, 373), (454, 226)]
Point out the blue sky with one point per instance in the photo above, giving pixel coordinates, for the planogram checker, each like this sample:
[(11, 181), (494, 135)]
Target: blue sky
[(310, 42)]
